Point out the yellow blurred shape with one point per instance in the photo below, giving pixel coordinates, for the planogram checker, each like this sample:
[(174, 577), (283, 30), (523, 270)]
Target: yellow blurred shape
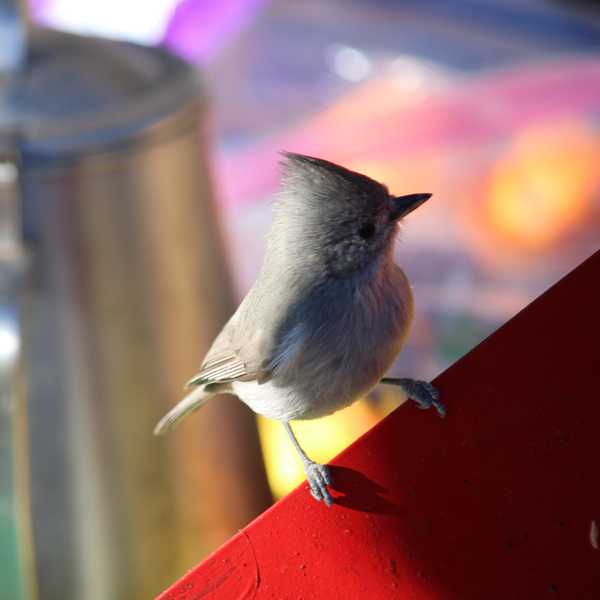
[(321, 439), (544, 188)]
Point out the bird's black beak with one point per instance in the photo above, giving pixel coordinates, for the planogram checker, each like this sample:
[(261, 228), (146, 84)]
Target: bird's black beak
[(402, 205)]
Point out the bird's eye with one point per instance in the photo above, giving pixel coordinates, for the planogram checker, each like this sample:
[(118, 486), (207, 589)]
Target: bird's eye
[(367, 231)]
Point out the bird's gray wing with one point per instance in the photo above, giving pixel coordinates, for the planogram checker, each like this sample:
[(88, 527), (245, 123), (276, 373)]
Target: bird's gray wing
[(222, 368), (237, 354), (228, 360)]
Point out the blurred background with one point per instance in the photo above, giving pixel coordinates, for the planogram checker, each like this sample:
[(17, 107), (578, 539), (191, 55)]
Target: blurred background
[(139, 149)]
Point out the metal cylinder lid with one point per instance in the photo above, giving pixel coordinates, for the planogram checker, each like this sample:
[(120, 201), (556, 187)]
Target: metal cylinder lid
[(76, 95)]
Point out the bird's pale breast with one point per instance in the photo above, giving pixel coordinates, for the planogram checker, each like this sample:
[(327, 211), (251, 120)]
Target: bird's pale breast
[(337, 362)]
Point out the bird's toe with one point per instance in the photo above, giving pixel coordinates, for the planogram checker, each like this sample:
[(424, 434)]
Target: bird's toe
[(424, 394), (319, 477)]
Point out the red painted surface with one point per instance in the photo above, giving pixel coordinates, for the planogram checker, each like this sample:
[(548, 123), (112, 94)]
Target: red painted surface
[(495, 502)]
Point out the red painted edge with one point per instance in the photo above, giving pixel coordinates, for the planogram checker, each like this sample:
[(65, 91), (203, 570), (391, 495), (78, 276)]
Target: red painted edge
[(497, 501)]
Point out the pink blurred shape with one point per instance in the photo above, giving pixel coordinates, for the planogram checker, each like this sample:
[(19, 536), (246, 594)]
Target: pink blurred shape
[(360, 128)]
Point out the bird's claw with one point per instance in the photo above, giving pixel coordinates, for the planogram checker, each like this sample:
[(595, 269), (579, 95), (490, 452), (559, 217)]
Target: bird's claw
[(424, 394), (319, 477), (421, 392)]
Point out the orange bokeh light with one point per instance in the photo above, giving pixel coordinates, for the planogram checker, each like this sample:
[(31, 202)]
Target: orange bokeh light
[(543, 189)]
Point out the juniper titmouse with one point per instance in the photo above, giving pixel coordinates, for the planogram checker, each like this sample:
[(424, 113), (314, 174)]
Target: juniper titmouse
[(328, 313)]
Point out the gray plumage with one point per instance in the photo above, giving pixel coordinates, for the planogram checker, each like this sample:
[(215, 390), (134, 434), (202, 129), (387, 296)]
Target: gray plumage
[(329, 311)]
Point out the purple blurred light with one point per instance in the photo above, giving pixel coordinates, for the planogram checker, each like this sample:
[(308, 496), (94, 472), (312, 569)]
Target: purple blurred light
[(38, 8), (200, 28)]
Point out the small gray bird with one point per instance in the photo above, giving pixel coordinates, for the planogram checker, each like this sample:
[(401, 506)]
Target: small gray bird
[(328, 313)]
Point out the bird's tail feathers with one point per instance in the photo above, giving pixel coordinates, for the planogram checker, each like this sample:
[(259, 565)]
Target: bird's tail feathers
[(190, 403)]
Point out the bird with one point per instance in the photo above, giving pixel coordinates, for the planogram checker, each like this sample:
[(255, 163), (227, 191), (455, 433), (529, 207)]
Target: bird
[(328, 313)]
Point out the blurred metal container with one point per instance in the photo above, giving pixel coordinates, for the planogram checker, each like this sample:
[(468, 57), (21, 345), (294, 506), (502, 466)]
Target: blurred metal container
[(126, 288)]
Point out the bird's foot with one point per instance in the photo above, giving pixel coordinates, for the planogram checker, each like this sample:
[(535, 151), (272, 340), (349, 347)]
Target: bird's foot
[(319, 477), (422, 392)]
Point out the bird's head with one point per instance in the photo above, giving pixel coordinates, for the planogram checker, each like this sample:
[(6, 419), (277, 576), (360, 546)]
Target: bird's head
[(335, 219)]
